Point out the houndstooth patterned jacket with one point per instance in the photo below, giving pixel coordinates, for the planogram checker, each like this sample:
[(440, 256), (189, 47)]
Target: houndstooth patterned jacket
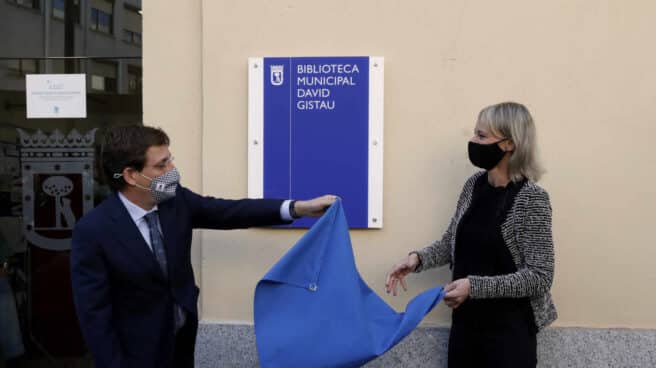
[(527, 233)]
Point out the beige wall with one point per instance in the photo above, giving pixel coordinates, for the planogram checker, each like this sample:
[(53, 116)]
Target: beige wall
[(584, 68), (172, 87)]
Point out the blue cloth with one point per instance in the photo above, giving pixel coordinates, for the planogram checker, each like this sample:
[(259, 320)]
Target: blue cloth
[(312, 309)]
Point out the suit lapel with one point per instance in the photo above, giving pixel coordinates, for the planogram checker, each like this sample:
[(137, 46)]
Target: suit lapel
[(130, 237)]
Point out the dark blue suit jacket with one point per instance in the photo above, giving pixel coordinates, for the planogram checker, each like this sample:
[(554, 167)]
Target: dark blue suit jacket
[(124, 302)]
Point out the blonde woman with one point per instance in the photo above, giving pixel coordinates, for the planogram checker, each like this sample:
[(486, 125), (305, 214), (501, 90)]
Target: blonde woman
[(499, 246)]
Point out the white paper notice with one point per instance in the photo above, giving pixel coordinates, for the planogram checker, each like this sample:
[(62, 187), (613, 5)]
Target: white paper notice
[(56, 95)]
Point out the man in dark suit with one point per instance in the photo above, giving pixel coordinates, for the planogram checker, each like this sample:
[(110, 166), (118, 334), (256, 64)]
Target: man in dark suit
[(133, 282)]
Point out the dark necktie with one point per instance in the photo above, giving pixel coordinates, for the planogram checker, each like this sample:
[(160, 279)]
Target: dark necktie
[(156, 241), (157, 244)]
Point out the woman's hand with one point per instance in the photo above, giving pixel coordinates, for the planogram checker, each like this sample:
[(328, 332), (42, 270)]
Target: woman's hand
[(457, 292), (399, 271)]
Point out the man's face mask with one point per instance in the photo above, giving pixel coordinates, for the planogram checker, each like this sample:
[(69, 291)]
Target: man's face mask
[(163, 187)]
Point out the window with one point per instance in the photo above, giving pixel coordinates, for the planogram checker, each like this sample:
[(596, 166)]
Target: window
[(97, 83), (20, 67), (132, 25), (111, 85), (132, 37), (102, 16), (59, 66), (103, 77), (101, 21), (34, 4), (59, 9), (134, 80), (103, 84)]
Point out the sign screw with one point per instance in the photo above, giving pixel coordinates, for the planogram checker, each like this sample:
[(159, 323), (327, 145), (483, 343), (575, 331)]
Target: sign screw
[(374, 220), (255, 142), (255, 66)]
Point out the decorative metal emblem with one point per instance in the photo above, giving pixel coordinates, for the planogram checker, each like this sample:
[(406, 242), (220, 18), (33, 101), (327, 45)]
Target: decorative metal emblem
[(57, 185)]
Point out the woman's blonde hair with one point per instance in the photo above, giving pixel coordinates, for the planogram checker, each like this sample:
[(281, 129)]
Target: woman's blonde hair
[(513, 120)]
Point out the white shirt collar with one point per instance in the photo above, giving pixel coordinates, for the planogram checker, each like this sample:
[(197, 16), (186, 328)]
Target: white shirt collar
[(136, 212)]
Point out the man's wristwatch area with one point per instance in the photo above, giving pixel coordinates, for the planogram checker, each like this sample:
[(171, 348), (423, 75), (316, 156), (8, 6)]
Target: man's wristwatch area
[(292, 210)]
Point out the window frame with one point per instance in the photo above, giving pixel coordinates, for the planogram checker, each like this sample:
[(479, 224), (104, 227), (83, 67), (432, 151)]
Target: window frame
[(21, 71), (94, 22), (62, 17), (35, 4)]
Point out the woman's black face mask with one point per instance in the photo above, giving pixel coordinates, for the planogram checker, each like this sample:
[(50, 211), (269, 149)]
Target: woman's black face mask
[(485, 156)]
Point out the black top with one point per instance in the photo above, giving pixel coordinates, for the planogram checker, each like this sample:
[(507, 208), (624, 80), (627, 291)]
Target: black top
[(481, 251)]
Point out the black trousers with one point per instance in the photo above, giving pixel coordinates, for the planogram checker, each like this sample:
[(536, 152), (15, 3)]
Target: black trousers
[(501, 346), (185, 344)]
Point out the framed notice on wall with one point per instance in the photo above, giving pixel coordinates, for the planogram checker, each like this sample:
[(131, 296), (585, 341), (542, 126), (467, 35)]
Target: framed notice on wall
[(315, 126), (56, 95)]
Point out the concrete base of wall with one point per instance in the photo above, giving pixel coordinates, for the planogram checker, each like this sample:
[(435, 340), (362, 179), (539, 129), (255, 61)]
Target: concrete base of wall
[(223, 345)]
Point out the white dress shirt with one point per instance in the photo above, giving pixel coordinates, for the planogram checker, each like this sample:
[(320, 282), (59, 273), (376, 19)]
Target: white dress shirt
[(138, 215)]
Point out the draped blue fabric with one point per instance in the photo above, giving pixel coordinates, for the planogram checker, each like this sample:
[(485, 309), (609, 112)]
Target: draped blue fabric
[(312, 309)]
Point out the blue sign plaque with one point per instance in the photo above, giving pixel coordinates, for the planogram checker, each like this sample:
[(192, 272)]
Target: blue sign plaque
[(316, 127)]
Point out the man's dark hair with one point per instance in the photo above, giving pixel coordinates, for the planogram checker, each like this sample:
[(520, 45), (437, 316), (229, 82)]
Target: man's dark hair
[(126, 146)]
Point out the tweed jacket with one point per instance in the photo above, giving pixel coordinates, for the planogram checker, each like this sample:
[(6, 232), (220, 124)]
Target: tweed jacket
[(527, 234)]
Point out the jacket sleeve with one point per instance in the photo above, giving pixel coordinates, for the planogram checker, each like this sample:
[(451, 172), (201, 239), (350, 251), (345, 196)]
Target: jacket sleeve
[(439, 252), (537, 250), (215, 213), (91, 294)]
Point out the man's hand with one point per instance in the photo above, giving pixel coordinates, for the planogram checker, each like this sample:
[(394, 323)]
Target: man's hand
[(456, 292), (399, 272), (314, 207)]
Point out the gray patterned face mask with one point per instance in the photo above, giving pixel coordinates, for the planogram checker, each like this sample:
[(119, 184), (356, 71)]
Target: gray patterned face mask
[(163, 187)]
